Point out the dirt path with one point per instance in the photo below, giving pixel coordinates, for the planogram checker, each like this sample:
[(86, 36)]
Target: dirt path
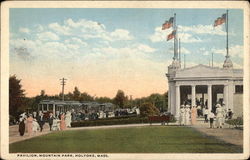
[(227, 134)]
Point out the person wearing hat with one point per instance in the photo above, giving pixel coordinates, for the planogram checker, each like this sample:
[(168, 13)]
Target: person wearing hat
[(30, 124), (187, 115), (182, 115), (211, 117), (41, 121), (21, 128), (193, 115), (219, 115)]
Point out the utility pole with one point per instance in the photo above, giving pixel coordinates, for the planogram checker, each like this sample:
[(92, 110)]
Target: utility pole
[(63, 83)]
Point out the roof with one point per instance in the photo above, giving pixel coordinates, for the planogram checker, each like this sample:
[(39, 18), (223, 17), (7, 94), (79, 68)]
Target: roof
[(206, 72)]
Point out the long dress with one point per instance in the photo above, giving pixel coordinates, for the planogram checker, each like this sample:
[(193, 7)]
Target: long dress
[(219, 116), (30, 125), (62, 123), (68, 119), (22, 127), (193, 115), (182, 116), (187, 116), (35, 126)]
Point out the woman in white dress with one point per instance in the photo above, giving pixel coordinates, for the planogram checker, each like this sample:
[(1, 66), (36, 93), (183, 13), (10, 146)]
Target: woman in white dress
[(187, 115), (182, 115), (68, 119), (36, 126), (219, 115)]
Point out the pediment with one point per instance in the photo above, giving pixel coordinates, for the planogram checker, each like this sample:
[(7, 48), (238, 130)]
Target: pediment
[(203, 71)]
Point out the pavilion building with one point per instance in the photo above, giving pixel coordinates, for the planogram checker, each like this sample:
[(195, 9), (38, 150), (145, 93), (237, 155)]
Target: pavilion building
[(205, 85)]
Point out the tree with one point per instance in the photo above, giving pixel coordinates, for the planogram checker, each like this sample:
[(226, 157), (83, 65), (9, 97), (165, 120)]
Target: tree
[(16, 95), (76, 94), (120, 99), (103, 100), (42, 93), (33, 102), (148, 109), (85, 97)]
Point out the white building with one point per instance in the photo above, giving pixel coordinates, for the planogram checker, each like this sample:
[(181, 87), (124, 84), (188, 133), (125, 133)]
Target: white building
[(206, 84)]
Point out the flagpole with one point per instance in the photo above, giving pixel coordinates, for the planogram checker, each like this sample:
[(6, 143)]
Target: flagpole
[(175, 45), (227, 56), (180, 50)]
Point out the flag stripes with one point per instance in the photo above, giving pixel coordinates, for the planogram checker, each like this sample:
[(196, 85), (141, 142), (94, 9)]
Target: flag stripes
[(220, 20)]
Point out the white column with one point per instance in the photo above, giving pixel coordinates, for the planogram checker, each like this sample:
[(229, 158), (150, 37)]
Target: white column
[(225, 96), (231, 96), (173, 111), (193, 96), (169, 99), (209, 101), (177, 100)]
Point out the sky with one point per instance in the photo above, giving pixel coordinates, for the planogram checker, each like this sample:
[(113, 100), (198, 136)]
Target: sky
[(101, 50)]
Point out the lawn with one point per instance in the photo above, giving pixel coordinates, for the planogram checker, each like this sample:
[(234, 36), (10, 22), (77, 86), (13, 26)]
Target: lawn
[(149, 139)]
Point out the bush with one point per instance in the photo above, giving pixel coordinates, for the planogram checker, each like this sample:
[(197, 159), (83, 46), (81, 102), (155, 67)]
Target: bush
[(235, 122), (112, 121), (148, 109)]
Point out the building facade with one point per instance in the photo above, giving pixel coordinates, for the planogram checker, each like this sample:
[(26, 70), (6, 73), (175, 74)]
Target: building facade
[(205, 85)]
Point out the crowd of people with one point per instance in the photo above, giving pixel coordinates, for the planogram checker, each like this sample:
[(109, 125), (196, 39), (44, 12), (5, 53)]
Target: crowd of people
[(32, 123), (215, 117)]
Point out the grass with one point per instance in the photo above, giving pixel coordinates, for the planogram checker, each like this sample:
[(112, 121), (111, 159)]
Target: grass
[(149, 139)]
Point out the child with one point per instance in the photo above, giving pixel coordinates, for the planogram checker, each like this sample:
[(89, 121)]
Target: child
[(211, 119)]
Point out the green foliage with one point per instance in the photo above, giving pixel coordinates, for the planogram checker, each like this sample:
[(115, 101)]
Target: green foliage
[(148, 109), (76, 94), (110, 121), (120, 99), (16, 95), (103, 100), (235, 122), (160, 101), (86, 97), (131, 119)]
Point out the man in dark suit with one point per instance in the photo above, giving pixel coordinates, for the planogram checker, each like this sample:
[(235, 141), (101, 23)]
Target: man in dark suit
[(41, 121), (50, 120)]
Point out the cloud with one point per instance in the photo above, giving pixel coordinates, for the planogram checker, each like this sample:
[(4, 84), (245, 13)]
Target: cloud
[(75, 40), (121, 34), (160, 36), (45, 36), (183, 50), (205, 53), (188, 38), (146, 48), (189, 34), (203, 29), (64, 30), (23, 53), (234, 51), (88, 29), (39, 28), (24, 30), (135, 51)]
